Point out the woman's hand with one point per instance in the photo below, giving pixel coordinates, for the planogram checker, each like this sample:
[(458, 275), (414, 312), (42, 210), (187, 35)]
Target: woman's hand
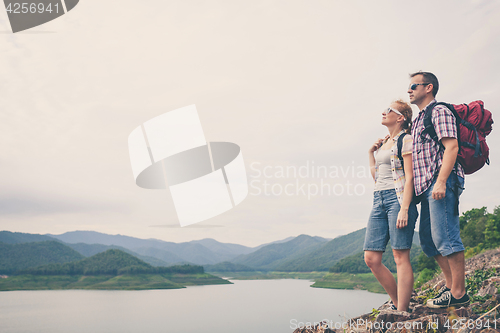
[(376, 145), (402, 218)]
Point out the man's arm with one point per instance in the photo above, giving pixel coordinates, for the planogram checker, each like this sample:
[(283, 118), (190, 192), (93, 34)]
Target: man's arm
[(449, 158)]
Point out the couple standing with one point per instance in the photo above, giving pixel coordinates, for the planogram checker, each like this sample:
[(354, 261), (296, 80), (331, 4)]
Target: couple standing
[(411, 167)]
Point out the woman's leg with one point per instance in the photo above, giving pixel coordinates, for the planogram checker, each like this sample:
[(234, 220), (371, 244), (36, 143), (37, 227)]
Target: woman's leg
[(405, 278), (384, 276)]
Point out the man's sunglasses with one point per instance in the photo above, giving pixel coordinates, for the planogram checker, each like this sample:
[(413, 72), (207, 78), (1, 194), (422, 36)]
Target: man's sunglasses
[(414, 86)]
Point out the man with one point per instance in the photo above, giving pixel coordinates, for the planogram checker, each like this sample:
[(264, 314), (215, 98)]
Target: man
[(439, 181)]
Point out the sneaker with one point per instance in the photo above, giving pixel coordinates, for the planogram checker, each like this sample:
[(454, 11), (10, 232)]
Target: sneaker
[(446, 300), (394, 308), (440, 292)]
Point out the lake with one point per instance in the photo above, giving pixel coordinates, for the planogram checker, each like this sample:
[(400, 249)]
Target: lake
[(245, 306)]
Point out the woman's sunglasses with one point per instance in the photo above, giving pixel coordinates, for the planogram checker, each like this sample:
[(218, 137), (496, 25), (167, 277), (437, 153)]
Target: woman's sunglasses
[(415, 85), (393, 110)]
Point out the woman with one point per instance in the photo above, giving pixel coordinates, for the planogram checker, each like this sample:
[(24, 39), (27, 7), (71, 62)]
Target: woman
[(394, 212)]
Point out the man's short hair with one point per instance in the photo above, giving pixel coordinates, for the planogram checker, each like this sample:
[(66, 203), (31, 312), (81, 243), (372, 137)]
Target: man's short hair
[(429, 78)]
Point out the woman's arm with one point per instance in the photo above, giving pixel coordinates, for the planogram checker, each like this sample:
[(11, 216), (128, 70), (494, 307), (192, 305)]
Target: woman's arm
[(407, 193)]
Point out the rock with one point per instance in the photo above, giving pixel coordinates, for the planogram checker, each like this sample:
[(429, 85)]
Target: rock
[(489, 289), (322, 327), (432, 323), (438, 285), (422, 310), (492, 280), (392, 316), (463, 312)]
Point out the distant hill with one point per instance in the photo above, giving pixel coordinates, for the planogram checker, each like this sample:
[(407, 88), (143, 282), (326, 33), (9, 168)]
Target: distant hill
[(356, 263), (275, 242), (227, 266), (294, 254), (8, 237), (271, 256), (325, 256), (110, 262), (94, 237), (332, 252), (14, 257), (160, 254), (200, 252), (90, 249)]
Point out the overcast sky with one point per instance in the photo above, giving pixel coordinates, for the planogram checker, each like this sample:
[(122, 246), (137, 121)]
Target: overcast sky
[(293, 83)]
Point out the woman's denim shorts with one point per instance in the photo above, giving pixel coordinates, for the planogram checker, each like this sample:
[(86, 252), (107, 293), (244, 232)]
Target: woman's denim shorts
[(382, 223)]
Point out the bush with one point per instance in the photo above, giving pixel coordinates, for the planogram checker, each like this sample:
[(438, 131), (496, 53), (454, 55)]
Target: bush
[(425, 275)]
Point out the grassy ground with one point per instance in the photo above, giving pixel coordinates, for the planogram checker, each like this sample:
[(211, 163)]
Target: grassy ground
[(364, 281), (108, 282), (270, 275)]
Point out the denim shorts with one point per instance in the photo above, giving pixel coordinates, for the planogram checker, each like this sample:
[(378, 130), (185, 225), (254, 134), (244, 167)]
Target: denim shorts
[(439, 221), (382, 223)]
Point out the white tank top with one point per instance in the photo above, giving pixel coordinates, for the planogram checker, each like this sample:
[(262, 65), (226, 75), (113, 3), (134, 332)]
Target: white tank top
[(384, 174)]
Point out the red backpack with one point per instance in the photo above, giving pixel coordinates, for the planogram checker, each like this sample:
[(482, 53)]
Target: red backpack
[(473, 125)]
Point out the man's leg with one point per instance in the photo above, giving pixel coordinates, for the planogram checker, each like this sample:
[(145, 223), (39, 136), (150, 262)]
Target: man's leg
[(425, 236), (445, 229), (445, 267), (457, 267)]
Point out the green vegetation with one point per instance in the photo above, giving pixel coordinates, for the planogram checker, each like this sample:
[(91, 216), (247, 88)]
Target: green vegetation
[(15, 257), (227, 266), (364, 281), (110, 262), (480, 230), (278, 256), (257, 275), (8, 237), (108, 282), (326, 255), (112, 269), (356, 263), (474, 283)]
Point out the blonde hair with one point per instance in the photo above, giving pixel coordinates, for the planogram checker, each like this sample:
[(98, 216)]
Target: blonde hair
[(407, 112)]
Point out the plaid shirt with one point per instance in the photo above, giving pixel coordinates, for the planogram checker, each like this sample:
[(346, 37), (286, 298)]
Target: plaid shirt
[(398, 174), (427, 154)]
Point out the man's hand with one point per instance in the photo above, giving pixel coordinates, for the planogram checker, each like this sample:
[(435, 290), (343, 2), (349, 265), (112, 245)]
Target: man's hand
[(449, 158), (439, 190)]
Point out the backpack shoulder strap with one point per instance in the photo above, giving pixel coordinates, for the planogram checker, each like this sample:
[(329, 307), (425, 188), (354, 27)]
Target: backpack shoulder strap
[(428, 125), (400, 148)]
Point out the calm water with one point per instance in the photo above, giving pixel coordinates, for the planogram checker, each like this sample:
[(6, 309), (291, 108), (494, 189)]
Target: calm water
[(246, 306)]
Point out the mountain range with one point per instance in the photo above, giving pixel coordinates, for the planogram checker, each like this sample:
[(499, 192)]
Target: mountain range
[(302, 253)]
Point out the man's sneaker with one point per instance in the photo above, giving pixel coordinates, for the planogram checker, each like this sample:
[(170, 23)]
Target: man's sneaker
[(446, 300), (440, 292)]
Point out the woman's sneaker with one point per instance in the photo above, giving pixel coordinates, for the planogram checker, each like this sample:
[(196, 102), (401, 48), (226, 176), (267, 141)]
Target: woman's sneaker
[(394, 308), (446, 300)]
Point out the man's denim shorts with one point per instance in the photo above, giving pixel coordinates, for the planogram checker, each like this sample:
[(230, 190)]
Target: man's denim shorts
[(382, 223), (439, 221)]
